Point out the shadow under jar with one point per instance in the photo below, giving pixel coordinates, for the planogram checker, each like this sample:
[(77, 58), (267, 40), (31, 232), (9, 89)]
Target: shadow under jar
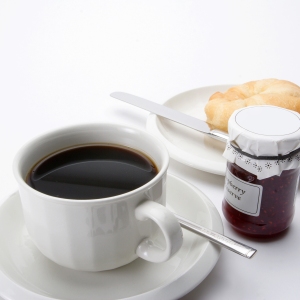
[(262, 173)]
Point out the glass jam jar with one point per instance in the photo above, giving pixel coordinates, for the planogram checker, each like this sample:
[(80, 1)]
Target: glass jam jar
[(263, 166)]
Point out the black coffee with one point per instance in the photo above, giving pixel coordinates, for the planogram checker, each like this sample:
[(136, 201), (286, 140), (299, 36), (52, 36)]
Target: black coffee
[(91, 172)]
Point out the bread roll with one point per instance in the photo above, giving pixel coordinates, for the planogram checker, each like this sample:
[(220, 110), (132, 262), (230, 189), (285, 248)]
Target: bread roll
[(261, 92)]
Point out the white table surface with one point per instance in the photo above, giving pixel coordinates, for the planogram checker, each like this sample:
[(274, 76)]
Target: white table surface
[(60, 60)]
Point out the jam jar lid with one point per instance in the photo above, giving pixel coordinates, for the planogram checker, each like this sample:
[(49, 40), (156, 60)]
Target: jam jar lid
[(264, 140)]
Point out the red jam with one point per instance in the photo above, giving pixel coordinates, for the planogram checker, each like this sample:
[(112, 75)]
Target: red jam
[(277, 203)]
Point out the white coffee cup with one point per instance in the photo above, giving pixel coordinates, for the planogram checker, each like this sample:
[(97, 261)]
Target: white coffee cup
[(73, 233)]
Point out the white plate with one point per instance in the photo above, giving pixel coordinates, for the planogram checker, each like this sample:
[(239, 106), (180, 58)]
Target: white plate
[(26, 274), (186, 145)]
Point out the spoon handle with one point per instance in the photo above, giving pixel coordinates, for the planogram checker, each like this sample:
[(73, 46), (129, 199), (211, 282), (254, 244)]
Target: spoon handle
[(217, 238)]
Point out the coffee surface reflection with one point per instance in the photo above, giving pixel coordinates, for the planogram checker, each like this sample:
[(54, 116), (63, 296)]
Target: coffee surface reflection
[(91, 172)]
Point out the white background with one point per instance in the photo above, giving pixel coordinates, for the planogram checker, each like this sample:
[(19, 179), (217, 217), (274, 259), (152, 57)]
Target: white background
[(60, 60)]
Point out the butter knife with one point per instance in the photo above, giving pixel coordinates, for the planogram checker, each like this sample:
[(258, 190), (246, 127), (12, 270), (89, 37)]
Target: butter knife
[(171, 114)]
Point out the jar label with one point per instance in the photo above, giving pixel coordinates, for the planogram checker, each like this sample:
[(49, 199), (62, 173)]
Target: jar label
[(243, 196)]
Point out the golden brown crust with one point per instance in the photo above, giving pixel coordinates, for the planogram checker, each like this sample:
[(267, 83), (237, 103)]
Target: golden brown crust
[(261, 92)]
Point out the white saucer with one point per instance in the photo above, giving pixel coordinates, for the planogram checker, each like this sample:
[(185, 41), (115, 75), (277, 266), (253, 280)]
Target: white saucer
[(186, 145), (26, 274)]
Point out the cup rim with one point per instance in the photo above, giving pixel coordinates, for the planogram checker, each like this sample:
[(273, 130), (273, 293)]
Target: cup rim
[(20, 180)]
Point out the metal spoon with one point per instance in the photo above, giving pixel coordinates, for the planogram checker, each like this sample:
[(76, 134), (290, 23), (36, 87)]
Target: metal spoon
[(217, 238)]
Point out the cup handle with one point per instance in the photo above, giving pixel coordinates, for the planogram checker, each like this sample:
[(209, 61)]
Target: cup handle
[(169, 226)]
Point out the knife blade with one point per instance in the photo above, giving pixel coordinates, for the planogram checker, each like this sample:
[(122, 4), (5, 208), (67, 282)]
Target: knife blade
[(171, 114)]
